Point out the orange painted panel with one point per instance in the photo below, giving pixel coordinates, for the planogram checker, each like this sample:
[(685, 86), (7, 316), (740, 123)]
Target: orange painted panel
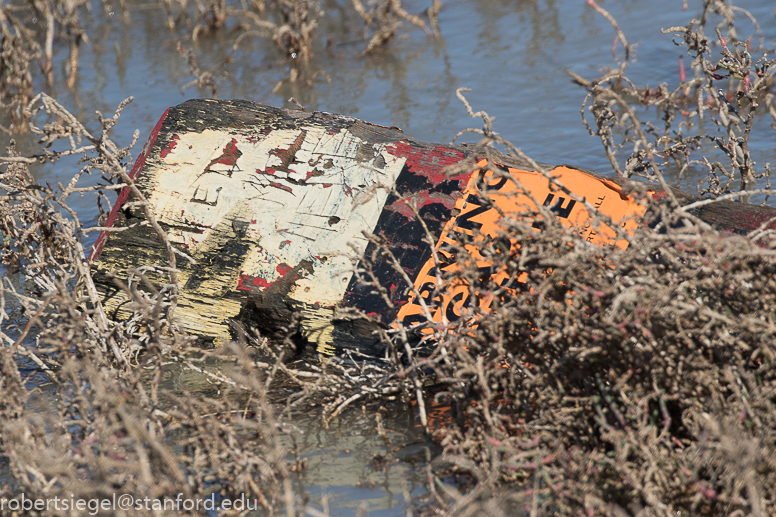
[(489, 200)]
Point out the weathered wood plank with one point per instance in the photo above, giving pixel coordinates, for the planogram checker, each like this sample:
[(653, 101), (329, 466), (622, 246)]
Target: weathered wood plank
[(274, 206)]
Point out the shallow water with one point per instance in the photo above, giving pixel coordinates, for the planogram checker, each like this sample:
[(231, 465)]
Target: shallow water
[(511, 53), (348, 461)]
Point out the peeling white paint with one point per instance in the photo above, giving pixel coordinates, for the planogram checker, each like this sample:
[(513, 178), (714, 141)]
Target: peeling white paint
[(317, 211)]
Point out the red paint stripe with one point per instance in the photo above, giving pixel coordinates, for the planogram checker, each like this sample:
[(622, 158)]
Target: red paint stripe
[(170, 146), (749, 222), (124, 194), (421, 199), (229, 155), (430, 162), (281, 187), (659, 194), (247, 282)]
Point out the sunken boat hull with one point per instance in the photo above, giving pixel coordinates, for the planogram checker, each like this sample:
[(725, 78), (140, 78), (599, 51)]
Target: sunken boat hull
[(274, 208)]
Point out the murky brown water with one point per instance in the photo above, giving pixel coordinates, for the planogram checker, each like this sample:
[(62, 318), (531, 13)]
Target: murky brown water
[(511, 53)]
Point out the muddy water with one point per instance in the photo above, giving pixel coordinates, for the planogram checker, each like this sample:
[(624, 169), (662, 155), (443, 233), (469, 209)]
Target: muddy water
[(511, 53)]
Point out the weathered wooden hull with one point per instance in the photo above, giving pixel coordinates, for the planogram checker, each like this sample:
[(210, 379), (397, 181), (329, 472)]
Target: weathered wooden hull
[(275, 205)]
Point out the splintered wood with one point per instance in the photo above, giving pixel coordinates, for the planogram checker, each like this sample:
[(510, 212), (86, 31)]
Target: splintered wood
[(274, 208)]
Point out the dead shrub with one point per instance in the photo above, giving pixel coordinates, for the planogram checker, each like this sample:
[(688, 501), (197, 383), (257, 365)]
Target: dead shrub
[(728, 89), (384, 18), (63, 21), (202, 79), (599, 379), (18, 52), (612, 381)]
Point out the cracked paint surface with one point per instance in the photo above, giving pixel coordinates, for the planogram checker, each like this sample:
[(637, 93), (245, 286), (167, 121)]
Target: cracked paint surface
[(301, 194)]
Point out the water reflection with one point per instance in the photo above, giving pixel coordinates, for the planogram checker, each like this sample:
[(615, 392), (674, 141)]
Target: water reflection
[(352, 463), (511, 53), (347, 461)]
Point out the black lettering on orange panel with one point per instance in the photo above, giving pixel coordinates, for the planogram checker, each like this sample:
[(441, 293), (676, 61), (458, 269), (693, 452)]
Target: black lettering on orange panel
[(450, 308), (464, 220), (414, 319), (539, 224), (447, 248), (446, 255), (493, 184), (563, 212), (428, 288), (444, 263), (558, 208), (449, 312)]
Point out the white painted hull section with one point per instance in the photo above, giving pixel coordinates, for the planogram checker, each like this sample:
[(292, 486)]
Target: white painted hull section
[(322, 221)]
